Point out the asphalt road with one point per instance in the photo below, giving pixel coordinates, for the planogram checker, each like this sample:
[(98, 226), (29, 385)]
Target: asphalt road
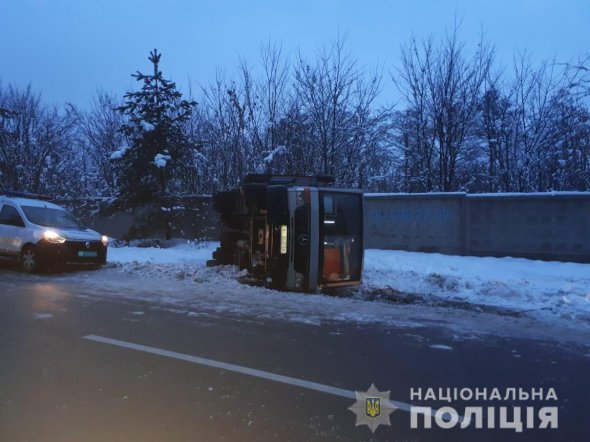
[(55, 385)]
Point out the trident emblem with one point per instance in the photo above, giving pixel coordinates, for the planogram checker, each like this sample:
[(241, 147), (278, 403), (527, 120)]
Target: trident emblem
[(373, 406)]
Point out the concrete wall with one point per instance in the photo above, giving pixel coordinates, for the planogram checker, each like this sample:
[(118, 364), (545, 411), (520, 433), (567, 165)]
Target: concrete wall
[(415, 222), (551, 226)]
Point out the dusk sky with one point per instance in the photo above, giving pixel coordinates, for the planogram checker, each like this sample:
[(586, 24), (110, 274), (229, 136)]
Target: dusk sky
[(67, 49)]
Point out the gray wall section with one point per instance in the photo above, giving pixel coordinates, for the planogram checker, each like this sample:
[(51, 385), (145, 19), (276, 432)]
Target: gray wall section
[(552, 226), (418, 223)]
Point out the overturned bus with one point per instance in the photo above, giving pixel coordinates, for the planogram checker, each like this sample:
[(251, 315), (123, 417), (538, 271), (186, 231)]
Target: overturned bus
[(292, 232)]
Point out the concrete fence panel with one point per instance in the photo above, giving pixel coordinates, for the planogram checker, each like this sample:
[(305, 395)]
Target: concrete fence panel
[(415, 222), (539, 226), (548, 226)]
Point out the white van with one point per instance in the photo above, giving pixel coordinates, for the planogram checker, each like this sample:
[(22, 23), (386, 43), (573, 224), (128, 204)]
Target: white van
[(38, 233)]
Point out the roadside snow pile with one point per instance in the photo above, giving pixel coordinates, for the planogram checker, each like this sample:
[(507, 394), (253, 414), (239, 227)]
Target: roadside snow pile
[(189, 253), (516, 284), (545, 290), (177, 279)]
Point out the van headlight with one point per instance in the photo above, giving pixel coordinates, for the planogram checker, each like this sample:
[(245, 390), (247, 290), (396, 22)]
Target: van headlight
[(53, 237), (104, 240)]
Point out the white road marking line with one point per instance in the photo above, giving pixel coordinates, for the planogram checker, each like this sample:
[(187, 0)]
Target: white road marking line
[(239, 369)]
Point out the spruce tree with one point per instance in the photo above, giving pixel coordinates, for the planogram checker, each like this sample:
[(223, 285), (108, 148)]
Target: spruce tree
[(157, 147)]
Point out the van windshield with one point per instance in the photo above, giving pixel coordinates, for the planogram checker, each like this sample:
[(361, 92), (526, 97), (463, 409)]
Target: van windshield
[(44, 216)]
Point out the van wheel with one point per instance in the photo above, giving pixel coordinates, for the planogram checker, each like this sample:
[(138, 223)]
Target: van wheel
[(29, 259)]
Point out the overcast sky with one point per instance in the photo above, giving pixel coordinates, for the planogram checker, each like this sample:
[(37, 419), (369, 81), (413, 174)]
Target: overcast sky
[(67, 49)]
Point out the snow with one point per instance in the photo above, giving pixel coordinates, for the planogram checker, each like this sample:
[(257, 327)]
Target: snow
[(279, 150), (118, 154), (528, 195), (396, 194), (43, 315), (550, 292), (148, 127), (479, 195), (555, 288), (30, 202), (186, 253), (161, 159)]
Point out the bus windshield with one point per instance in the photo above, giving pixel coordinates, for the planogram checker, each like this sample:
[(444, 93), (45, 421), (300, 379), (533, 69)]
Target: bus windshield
[(341, 236)]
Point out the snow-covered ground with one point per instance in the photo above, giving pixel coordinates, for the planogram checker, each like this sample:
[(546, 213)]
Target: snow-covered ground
[(561, 290), (191, 253), (550, 292)]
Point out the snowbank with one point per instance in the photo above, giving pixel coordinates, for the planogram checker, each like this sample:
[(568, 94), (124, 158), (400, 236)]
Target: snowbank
[(187, 253), (553, 290), (548, 291)]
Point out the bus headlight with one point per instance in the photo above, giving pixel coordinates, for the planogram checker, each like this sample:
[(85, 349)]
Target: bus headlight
[(104, 240), (53, 237)]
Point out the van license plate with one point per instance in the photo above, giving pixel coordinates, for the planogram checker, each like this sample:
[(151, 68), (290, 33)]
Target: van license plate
[(87, 254)]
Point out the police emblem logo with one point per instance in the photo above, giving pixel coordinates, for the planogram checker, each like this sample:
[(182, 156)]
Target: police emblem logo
[(373, 407)]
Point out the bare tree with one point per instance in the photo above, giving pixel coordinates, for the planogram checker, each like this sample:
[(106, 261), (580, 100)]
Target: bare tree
[(443, 89), (35, 144), (99, 130), (415, 126), (365, 153), (538, 93), (326, 90), (224, 133), (273, 89)]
